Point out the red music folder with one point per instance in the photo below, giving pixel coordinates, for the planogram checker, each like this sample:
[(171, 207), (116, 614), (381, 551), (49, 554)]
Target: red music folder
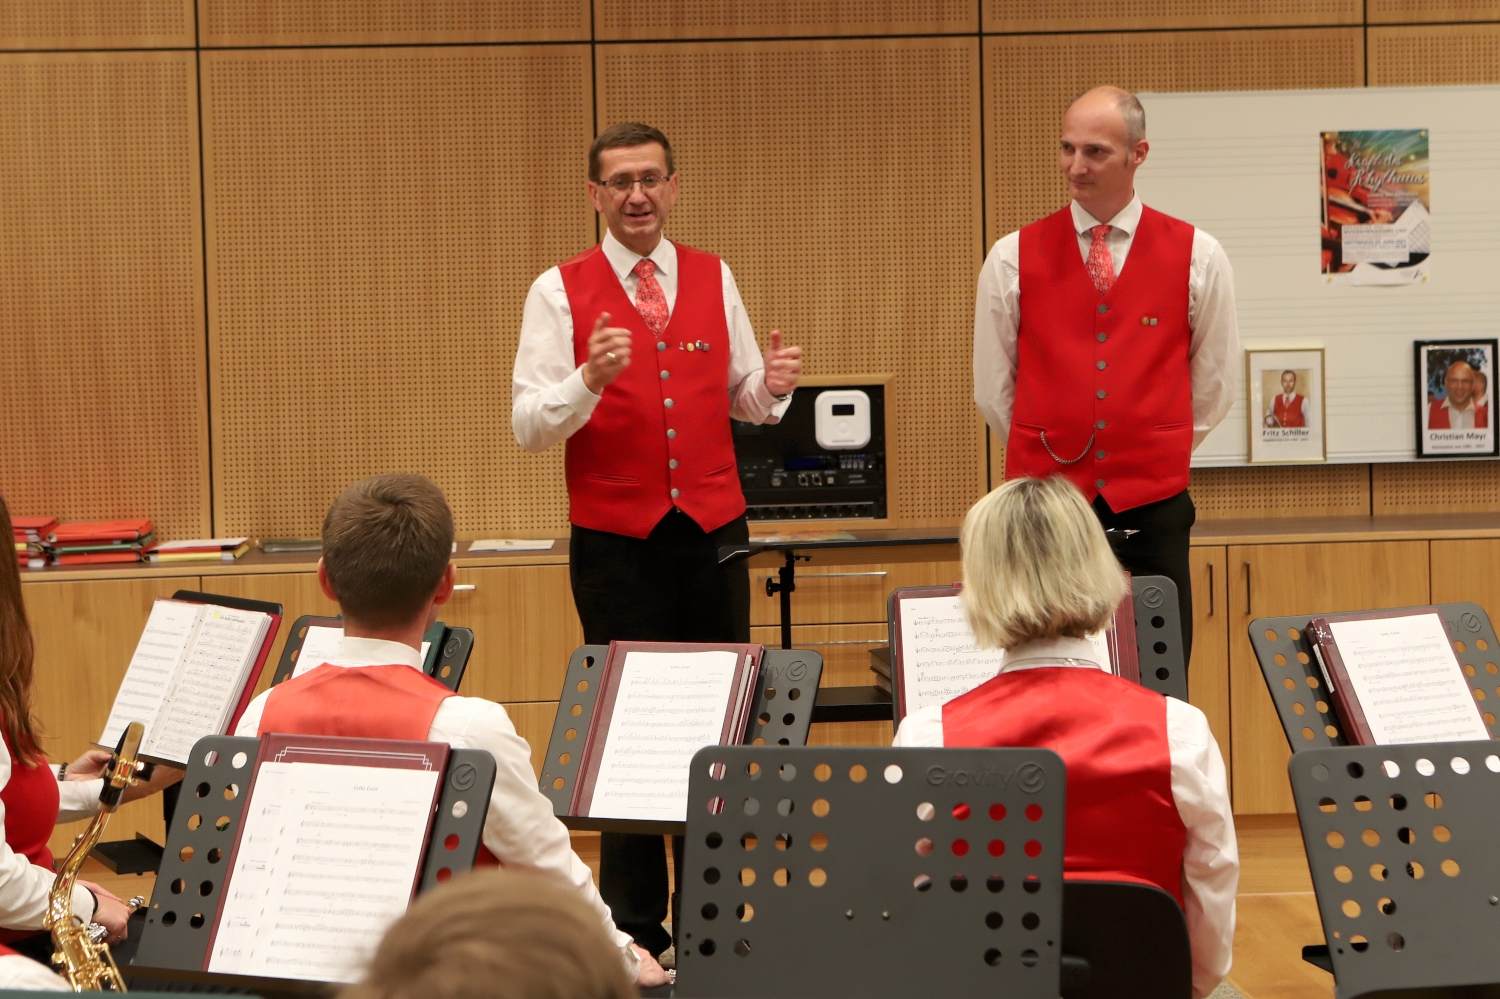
[(328, 853), (658, 703), (100, 530), (193, 673), (934, 657), (1394, 677)]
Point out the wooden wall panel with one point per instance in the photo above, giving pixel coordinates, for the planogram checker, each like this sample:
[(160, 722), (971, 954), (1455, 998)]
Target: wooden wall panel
[(1430, 11), (391, 22), (102, 403), (95, 24), (840, 181), (1436, 487), (622, 20), (375, 218), (1137, 15), (1436, 55), (1282, 491), (1029, 82)]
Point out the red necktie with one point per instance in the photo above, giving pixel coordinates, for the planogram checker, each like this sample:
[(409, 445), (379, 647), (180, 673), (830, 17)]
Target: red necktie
[(650, 300), (1101, 266)]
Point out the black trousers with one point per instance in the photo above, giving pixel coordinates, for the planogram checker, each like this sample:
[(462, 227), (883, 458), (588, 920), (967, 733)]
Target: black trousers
[(667, 587), (1159, 549)]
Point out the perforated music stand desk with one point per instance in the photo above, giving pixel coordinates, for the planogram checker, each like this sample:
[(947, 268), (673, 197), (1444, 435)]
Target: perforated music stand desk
[(1297, 686), (1401, 844), (180, 920), (445, 663), (864, 873), (780, 716)]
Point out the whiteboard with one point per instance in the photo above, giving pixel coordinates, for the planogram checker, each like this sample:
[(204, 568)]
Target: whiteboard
[(1244, 167)]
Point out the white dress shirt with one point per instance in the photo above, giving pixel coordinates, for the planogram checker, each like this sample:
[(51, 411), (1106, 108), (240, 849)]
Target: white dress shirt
[(1460, 419), (22, 974), (1213, 352), (549, 400), (1210, 858), (520, 827), (24, 885)]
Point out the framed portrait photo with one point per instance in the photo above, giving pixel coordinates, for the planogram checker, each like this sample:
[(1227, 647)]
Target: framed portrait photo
[(1285, 393), (1453, 399)]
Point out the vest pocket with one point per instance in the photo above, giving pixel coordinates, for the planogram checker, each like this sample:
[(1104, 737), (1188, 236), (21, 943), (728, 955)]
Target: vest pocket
[(624, 480), (721, 470)]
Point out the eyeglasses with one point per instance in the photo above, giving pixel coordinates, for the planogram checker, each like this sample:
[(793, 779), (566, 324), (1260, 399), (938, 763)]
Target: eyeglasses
[(624, 185)]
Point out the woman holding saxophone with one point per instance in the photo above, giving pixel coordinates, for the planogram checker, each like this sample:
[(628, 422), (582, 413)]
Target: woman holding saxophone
[(35, 796)]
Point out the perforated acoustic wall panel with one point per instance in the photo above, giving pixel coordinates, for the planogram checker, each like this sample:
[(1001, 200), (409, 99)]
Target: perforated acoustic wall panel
[(625, 20), (1104, 15), (1429, 11), (101, 289), (1281, 491), (391, 22), (1437, 487), (1438, 55), (95, 24), (375, 218), (840, 180)]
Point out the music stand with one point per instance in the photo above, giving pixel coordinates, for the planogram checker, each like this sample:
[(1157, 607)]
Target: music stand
[(826, 873), (780, 716), (447, 657), (180, 920), (1131, 938), (1400, 843), (1299, 689)]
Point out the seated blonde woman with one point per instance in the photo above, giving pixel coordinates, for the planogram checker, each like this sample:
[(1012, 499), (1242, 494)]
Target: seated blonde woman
[(1147, 796)]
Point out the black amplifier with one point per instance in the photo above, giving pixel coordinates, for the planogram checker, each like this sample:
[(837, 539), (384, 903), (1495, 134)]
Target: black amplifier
[(825, 460)]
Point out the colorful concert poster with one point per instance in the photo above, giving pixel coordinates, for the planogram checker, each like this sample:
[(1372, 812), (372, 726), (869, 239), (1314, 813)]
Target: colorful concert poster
[(1376, 206)]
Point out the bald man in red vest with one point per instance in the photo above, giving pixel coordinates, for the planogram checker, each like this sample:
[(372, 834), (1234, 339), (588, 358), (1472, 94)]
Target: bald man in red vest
[(386, 547), (637, 352), (1105, 343)]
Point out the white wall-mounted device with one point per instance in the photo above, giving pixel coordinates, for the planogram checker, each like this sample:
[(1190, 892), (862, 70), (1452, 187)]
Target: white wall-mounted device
[(842, 418)]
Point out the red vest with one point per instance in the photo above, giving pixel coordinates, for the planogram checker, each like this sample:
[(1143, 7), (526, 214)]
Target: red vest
[(1122, 822), (1290, 415), (1437, 416), (31, 803), (660, 436), (1105, 377), (359, 702)]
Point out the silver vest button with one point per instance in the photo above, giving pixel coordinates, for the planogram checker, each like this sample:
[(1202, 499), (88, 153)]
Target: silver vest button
[(661, 346), (675, 494), (671, 434), (665, 375), (669, 403), (1098, 483), (1101, 393), (672, 463)]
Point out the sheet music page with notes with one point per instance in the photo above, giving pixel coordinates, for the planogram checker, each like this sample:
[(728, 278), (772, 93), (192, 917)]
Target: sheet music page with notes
[(669, 706), (209, 680), (940, 659), (321, 645), (328, 858), (1407, 679), (143, 691)]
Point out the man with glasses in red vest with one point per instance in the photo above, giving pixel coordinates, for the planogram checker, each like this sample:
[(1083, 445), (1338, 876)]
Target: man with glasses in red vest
[(637, 352), (1105, 343)]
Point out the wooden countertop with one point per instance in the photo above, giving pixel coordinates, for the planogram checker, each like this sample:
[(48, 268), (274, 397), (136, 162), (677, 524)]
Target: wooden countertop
[(1304, 530)]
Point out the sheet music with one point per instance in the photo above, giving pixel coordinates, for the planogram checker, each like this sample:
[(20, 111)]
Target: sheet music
[(327, 860), (1407, 680), (669, 706), (209, 682), (321, 645), (940, 659), (143, 691)]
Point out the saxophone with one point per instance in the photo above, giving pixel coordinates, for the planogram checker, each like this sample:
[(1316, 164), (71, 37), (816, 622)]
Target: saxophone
[(81, 956)]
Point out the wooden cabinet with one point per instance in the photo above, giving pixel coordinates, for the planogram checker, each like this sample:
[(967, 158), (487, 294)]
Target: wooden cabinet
[(85, 633), (1208, 673), (525, 629), (1272, 580), (1467, 570)]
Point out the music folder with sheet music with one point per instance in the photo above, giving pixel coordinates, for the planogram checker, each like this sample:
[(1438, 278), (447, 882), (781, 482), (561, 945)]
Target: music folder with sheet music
[(934, 657), (1393, 677), (658, 704), (192, 674)]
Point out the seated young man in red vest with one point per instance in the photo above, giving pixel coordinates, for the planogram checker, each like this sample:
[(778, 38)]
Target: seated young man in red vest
[(1148, 800), (386, 547)]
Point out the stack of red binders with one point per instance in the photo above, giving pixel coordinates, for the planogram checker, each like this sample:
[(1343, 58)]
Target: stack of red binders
[(95, 541), (30, 537)]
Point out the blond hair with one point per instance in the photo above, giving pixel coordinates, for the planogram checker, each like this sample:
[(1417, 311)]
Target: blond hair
[(497, 934), (1037, 565)]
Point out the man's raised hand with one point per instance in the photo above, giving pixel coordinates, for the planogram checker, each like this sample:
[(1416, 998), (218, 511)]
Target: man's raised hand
[(609, 354), (783, 366)]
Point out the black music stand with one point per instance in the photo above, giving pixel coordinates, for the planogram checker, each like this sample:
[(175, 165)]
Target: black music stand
[(1300, 690), (1400, 842), (446, 661), (180, 920), (826, 873), (1131, 938), (780, 716)]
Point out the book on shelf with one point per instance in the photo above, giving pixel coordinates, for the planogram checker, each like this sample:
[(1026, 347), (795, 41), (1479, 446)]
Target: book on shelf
[(658, 704), (198, 550), (1394, 677), (192, 674), (94, 531), (97, 558), (273, 546), (33, 529)]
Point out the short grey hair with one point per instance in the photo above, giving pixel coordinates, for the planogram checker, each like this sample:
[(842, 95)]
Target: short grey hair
[(1131, 111), (1037, 565)]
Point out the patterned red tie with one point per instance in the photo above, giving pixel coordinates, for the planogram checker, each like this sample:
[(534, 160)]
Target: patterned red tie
[(650, 300), (1101, 266)]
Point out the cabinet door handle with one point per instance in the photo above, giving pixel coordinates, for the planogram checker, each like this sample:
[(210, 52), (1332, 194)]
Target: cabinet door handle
[(1210, 589), (1249, 612), (803, 577), (463, 586)]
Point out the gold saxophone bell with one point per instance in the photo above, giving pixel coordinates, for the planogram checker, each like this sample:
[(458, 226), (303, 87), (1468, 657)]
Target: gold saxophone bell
[(80, 953)]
